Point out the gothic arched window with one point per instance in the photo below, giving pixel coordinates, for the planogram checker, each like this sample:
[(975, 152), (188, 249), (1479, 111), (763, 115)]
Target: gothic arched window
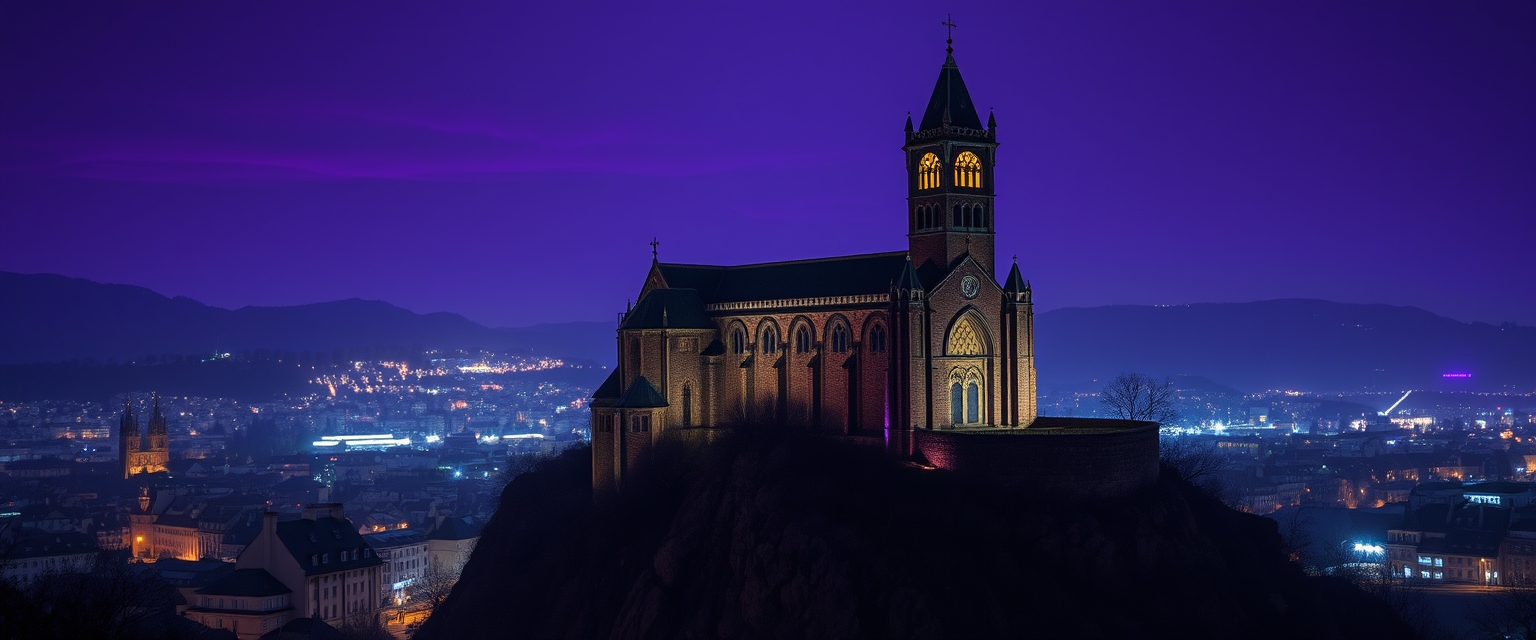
[(802, 340), (965, 339), (840, 338), (877, 338), (928, 172), (956, 403), (954, 217), (738, 341), (687, 405), (973, 403), (968, 170), (770, 340)]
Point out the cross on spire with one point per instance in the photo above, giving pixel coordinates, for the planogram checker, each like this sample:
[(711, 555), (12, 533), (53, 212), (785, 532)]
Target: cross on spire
[(949, 33), (654, 242)]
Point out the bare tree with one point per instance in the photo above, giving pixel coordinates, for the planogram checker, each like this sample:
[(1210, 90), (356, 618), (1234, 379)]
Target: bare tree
[(432, 588), (1136, 396), (364, 625), (1199, 464), (1509, 612)]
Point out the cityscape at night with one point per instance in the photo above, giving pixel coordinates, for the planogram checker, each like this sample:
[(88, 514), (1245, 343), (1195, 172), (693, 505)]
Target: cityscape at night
[(484, 320)]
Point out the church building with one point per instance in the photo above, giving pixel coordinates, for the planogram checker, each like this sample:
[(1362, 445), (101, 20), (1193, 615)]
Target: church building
[(869, 346), (142, 453)]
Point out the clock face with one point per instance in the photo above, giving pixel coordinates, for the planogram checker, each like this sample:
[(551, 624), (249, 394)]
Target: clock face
[(969, 286)]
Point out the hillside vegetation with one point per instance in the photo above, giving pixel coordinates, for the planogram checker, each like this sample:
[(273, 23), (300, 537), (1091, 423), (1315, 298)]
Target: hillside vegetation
[(781, 535)]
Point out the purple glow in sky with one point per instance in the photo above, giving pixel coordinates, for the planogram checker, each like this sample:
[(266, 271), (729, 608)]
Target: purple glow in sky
[(511, 161)]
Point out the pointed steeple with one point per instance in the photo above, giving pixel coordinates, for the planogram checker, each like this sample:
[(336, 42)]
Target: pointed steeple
[(1015, 285), (951, 103), (909, 122), (157, 419), (128, 424), (908, 281), (991, 120)]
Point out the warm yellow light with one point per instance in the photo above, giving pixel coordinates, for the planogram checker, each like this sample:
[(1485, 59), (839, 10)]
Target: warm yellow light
[(139, 539)]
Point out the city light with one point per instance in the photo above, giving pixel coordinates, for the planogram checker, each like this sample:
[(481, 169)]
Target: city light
[(1373, 549)]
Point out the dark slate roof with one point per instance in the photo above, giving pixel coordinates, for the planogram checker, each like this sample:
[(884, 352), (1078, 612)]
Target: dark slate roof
[(306, 539), (43, 545), (455, 529), (246, 582), (671, 308), (641, 395), (610, 387), (1015, 283), (908, 280), (307, 628), (1468, 543), (1498, 487), (191, 573), (395, 538), (870, 273), (715, 348), (950, 94)]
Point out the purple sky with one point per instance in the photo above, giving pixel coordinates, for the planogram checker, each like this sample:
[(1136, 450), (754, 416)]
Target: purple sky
[(510, 161)]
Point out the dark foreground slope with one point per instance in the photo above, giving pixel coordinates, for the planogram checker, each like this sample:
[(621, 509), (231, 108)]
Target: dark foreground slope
[(786, 537)]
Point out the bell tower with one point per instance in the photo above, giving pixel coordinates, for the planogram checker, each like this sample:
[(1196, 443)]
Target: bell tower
[(949, 177)]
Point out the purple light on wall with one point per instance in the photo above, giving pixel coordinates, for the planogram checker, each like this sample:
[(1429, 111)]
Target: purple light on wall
[(1455, 375)]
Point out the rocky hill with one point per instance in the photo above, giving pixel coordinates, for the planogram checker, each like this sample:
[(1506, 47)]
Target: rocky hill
[(794, 537)]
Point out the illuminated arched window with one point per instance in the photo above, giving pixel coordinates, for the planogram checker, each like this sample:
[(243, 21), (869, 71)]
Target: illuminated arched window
[(738, 341), (928, 172), (965, 339), (967, 392), (770, 340), (973, 403), (840, 341), (877, 338), (968, 170), (802, 340)]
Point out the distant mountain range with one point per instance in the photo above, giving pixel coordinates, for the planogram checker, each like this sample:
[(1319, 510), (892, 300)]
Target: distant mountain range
[(48, 318), (1277, 344)]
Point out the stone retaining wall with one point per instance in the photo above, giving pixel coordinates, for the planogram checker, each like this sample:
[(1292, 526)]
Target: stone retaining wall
[(1060, 457)]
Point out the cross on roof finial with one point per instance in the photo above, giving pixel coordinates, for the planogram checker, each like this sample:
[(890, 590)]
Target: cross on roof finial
[(949, 33), (654, 242)]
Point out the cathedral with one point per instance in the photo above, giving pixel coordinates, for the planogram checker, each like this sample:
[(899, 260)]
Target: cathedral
[(870, 347), (142, 453)]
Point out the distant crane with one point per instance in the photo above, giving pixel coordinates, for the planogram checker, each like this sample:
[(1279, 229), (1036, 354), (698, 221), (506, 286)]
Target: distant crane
[(1388, 412)]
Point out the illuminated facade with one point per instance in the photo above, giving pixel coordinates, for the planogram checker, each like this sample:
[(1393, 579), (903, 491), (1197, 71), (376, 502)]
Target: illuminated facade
[(142, 453), (867, 346)]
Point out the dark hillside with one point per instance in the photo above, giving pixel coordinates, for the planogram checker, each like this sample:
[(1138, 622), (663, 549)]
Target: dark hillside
[(786, 536)]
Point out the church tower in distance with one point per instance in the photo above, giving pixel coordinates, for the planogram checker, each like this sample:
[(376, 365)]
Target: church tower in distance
[(137, 455), (949, 177)]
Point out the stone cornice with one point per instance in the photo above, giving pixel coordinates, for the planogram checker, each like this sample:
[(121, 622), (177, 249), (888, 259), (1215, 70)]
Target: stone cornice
[(798, 303)]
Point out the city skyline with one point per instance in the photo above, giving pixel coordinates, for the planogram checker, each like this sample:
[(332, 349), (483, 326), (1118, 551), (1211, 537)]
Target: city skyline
[(1217, 153)]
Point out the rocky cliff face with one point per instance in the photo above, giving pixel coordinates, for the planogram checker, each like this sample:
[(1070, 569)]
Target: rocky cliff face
[(783, 536)]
